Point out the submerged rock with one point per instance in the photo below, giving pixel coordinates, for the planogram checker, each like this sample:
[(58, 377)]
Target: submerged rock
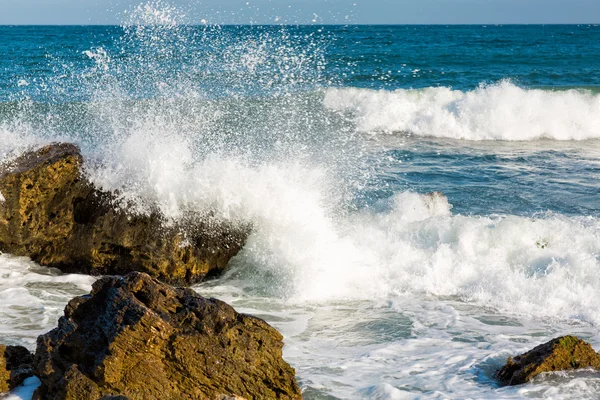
[(16, 365), (142, 339), (51, 213), (561, 354)]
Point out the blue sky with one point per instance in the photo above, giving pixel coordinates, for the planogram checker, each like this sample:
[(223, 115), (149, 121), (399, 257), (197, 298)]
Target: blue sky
[(309, 11)]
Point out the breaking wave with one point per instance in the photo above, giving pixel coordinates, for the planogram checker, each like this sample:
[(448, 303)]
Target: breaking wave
[(502, 111)]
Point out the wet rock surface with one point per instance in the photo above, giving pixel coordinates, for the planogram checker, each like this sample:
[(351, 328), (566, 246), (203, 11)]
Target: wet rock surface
[(141, 339), (560, 354), (16, 365), (51, 213)]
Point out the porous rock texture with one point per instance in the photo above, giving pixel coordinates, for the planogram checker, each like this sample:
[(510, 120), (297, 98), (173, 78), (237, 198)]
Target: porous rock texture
[(51, 213), (16, 365), (138, 338), (560, 354)]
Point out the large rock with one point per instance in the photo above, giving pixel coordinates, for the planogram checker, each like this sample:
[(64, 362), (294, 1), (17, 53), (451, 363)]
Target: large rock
[(142, 339), (16, 365), (561, 354), (50, 212)]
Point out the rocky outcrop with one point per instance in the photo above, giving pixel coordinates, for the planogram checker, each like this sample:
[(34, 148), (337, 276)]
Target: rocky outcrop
[(16, 365), (142, 339), (561, 354), (50, 212)]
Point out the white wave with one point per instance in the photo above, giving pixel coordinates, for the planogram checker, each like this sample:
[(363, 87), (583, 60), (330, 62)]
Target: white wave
[(540, 267), (496, 112), (543, 267), (302, 248), (306, 248), (276, 165)]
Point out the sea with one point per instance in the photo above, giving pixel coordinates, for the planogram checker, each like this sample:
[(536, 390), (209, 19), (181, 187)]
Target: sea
[(424, 200)]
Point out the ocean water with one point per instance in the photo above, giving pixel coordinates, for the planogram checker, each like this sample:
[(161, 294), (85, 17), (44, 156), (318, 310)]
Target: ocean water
[(328, 140)]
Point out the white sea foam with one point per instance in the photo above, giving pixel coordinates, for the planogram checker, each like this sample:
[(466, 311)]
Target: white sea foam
[(541, 267), (304, 248), (410, 346), (33, 298), (495, 112)]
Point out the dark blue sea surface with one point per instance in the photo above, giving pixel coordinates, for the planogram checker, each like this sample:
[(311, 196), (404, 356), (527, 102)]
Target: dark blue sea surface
[(375, 56)]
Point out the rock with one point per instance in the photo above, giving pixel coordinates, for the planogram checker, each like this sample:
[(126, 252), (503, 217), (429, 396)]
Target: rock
[(16, 365), (54, 215), (136, 337), (560, 354)]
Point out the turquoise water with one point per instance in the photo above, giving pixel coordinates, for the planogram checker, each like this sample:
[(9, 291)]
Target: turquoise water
[(377, 57), (327, 140)]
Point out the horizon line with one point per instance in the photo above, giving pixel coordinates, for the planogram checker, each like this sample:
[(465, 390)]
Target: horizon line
[(325, 24)]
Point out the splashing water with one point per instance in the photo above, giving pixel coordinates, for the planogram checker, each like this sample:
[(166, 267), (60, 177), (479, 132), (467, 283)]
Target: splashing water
[(380, 291)]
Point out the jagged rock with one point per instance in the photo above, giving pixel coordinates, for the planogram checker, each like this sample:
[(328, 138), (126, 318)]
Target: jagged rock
[(51, 213), (560, 354), (142, 339), (16, 365)]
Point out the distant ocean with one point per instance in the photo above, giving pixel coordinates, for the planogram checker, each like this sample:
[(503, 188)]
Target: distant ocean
[(327, 140)]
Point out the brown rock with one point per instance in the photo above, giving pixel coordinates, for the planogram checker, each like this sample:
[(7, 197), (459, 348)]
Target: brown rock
[(4, 372), (16, 365), (560, 354), (54, 215), (139, 338)]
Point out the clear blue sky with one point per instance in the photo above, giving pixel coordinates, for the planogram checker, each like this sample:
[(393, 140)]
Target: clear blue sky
[(309, 11)]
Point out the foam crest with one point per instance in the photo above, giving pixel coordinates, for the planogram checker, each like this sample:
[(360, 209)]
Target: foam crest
[(540, 267), (495, 112)]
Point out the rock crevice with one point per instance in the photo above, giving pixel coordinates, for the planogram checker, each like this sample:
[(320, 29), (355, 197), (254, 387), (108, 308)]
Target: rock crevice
[(16, 365)]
